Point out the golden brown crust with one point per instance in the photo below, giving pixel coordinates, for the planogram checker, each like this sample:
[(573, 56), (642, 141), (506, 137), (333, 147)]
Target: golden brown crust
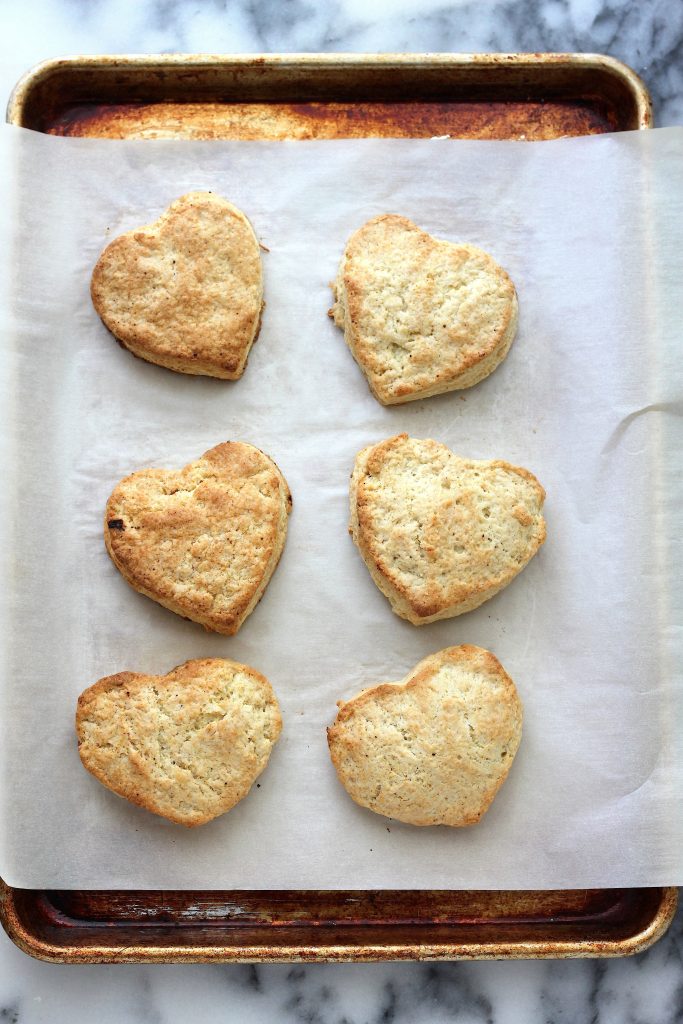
[(441, 534), (434, 748), (185, 292), (205, 540), (421, 316), (187, 745)]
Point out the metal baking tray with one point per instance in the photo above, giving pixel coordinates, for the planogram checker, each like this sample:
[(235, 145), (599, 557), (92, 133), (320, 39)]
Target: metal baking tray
[(221, 927), (332, 96), (496, 96)]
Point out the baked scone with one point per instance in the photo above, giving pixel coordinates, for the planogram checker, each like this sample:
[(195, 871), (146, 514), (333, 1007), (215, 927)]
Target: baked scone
[(204, 540), (187, 745), (420, 315), (185, 292), (435, 748), (441, 534)]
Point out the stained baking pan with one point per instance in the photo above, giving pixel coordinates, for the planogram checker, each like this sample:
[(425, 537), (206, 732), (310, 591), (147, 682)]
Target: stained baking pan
[(327, 96), (516, 96), (190, 927)]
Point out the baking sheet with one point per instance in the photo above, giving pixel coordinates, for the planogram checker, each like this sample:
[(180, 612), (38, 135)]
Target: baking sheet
[(589, 399)]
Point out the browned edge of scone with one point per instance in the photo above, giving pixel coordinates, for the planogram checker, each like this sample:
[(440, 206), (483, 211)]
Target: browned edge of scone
[(231, 369)]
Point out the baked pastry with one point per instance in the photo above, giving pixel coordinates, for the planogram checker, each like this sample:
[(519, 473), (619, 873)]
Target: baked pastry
[(202, 541), (185, 292), (420, 315), (441, 534), (187, 745), (434, 748)]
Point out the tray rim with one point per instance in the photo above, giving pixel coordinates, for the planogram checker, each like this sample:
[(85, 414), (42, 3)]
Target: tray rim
[(525, 949), (596, 61), (10, 916)]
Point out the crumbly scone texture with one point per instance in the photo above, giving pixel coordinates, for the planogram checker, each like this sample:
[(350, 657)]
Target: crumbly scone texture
[(441, 534), (187, 745), (435, 748), (204, 540), (421, 315), (185, 292)]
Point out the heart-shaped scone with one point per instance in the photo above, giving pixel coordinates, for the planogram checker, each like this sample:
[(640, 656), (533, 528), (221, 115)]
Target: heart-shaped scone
[(441, 534), (435, 748), (203, 541), (185, 292), (420, 315), (187, 745)]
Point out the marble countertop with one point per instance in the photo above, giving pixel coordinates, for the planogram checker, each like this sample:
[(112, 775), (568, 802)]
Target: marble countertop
[(647, 989)]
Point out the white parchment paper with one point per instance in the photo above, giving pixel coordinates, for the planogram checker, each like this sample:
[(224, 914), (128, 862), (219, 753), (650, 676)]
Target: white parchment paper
[(589, 399)]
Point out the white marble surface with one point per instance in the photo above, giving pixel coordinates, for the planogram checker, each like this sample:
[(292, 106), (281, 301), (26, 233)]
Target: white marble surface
[(644, 990)]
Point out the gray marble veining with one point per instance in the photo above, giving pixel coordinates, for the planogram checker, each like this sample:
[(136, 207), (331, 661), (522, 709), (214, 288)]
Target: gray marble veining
[(647, 989)]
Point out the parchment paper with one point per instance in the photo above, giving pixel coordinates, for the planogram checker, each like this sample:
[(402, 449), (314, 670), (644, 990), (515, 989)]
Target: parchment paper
[(589, 399)]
